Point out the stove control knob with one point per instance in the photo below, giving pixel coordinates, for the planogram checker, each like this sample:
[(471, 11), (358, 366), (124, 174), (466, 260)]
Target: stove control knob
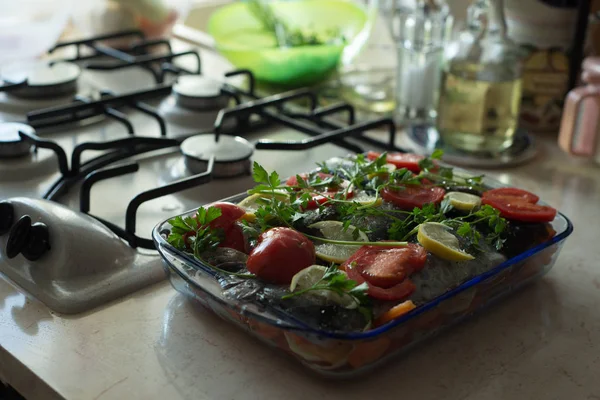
[(38, 243), (17, 238), (7, 217), (33, 241)]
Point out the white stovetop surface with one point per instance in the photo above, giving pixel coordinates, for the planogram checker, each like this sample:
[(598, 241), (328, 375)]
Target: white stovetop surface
[(543, 343)]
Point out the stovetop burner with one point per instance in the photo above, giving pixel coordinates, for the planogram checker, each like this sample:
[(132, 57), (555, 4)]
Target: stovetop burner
[(199, 93), (11, 144), (232, 155), (40, 80), (194, 102)]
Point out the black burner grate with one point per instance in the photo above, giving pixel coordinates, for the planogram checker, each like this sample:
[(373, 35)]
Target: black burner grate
[(332, 124), (159, 65)]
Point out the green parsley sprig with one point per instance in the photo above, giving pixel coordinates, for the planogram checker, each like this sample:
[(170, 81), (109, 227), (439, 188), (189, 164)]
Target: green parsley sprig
[(277, 211), (444, 176), (195, 235), (338, 282), (404, 229), (484, 216), (465, 226)]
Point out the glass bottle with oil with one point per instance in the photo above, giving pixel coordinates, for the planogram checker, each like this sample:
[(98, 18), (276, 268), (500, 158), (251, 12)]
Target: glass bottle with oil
[(480, 93)]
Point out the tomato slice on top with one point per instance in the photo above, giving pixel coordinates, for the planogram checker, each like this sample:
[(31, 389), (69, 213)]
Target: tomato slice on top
[(400, 160), (386, 269), (512, 192), (518, 209), (413, 196)]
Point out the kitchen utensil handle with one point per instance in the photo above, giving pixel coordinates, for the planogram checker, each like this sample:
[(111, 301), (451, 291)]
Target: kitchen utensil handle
[(578, 136)]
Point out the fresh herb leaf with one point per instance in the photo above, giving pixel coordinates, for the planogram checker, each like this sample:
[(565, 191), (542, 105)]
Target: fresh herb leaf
[(437, 154), (338, 282), (360, 292), (427, 162), (259, 174), (485, 217), (200, 236), (445, 206), (445, 172), (179, 224), (274, 179)]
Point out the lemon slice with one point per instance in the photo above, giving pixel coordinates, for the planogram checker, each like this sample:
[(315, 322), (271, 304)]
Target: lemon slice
[(251, 203), (437, 239), (366, 199), (307, 277), (463, 201), (313, 274), (335, 230)]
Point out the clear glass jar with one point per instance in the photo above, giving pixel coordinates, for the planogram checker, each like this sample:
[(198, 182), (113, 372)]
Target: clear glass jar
[(366, 73), (482, 83), (420, 30)]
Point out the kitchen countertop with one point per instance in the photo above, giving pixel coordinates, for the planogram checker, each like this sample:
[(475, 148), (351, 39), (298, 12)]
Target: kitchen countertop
[(543, 343)]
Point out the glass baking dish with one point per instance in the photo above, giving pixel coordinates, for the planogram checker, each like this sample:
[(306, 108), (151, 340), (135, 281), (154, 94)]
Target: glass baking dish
[(340, 354)]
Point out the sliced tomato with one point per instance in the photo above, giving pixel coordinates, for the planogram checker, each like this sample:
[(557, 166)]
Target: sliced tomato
[(400, 160), (512, 192), (293, 180), (396, 292), (519, 209), (386, 269), (414, 196), (280, 254)]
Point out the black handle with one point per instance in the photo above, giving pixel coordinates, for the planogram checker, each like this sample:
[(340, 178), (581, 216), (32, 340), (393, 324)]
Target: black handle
[(17, 237), (7, 217)]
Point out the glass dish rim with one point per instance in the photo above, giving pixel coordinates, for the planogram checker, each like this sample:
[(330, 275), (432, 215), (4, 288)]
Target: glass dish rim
[(375, 332)]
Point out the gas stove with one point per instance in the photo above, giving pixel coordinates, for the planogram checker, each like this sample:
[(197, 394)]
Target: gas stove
[(99, 146)]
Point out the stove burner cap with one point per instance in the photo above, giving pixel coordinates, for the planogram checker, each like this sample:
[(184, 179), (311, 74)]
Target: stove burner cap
[(232, 154), (11, 144), (199, 92), (227, 149), (43, 79)]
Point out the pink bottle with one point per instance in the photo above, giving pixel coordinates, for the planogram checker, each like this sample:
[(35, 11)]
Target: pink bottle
[(580, 125)]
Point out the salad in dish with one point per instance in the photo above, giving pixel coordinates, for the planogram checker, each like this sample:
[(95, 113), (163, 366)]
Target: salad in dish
[(362, 240)]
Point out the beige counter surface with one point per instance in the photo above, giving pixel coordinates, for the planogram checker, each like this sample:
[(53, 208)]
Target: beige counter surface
[(543, 343)]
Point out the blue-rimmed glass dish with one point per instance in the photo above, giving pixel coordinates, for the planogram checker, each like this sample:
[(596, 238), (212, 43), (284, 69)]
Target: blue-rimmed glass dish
[(345, 354)]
